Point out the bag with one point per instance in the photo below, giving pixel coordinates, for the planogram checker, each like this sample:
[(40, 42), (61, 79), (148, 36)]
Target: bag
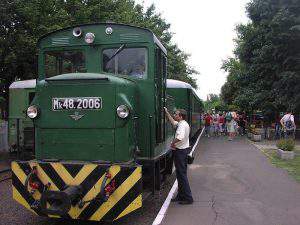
[(190, 158), (228, 117), (289, 124)]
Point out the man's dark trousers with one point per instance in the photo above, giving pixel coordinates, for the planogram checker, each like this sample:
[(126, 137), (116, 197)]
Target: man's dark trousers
[(180, 161)]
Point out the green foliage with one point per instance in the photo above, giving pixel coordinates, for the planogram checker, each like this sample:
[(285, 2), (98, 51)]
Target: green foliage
[(233, 108), (254, 131), (265, 73), (230, 90), (286, 144), (214, 102), (211, 101), (24, 21)]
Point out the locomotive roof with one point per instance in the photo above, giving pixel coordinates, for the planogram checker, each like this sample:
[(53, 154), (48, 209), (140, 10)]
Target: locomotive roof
[(23, 84), (171, 83), (155, 39), (177, 84)]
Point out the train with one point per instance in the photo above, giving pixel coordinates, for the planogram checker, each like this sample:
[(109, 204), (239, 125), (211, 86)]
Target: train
[(20, 126), (101, 138), (185, 97), (21, 129)]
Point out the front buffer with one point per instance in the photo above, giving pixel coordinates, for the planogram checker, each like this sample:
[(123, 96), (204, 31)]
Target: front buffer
[(72, 190)]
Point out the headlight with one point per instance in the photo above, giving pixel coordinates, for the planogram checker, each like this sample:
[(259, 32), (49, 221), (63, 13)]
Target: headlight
[(108, 30), (77, 32), (89, 38), (123, 111), (32, 112)]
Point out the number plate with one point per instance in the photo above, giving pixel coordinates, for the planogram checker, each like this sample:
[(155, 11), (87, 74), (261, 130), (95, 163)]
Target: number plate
[(83, 103)]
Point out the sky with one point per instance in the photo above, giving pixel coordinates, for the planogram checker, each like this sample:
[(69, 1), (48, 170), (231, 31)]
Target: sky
[(205, 30)]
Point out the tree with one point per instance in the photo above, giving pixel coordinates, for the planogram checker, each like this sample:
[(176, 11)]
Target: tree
[(267, 57), (24, 21), (214, 103)]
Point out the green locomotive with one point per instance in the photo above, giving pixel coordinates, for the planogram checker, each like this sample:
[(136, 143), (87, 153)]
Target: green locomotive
[(20, 127), (101, 136)]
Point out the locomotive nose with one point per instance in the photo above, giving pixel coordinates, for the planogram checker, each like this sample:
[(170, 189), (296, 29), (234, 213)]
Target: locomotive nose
[(77, 119), (60, 202)]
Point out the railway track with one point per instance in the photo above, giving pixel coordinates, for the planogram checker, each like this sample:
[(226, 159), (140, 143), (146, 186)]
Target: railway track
[(5, 175), (5, 171)]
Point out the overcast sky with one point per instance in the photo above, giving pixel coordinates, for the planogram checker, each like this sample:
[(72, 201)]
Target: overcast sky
[(205, 30)]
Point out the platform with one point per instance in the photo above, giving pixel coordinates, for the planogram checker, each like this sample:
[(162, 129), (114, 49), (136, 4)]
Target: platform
[(233, 183)]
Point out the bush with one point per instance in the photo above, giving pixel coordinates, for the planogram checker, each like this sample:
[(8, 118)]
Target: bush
[(253, 130), (286, 144)]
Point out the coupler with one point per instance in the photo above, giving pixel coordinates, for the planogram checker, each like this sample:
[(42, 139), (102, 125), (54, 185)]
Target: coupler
[(60, 202)]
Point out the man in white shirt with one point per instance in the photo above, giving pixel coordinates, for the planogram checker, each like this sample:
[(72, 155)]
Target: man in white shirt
[(180, 146), (288, 124)]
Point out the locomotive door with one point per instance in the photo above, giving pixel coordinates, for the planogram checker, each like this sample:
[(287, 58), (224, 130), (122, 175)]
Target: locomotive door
[(160, 89)]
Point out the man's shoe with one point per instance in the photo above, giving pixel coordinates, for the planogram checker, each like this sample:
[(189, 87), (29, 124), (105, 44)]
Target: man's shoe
[(176, 199), (185, 202)]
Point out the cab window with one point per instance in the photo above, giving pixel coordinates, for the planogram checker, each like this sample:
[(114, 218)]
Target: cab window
[(59, 62), (128, 61)]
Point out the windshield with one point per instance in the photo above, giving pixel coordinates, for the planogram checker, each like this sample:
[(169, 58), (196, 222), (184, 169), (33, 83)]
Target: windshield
[(129, 61), (59, 62)]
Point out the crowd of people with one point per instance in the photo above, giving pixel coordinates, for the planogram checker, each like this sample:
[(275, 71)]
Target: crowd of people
[(231, 123), (225, 123)]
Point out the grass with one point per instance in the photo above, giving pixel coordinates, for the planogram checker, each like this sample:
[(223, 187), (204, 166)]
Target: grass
[(291, 166)]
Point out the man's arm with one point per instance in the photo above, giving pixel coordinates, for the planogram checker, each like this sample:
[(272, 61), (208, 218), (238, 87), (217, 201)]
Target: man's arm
[(170, 118), (173, 144)]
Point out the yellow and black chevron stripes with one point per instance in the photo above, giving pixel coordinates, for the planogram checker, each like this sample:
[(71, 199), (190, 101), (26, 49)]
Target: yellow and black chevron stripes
[(126, 198), (20, 193), (119, 196)]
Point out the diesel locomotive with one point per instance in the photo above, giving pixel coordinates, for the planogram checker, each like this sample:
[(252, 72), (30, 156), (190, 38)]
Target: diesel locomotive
[(20, 126), (100, 134)]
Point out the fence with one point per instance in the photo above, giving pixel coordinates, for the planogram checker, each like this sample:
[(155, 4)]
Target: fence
[(3, 136)]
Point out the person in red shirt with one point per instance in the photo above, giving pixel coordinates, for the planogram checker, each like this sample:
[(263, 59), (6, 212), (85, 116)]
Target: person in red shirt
[(207, 124), (221, 121)]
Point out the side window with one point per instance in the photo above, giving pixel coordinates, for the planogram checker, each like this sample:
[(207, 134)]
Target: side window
[(57, 62), (129, 61)]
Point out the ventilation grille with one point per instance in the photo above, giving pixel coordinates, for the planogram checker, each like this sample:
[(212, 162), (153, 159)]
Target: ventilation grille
[(60, 41), (130, 37)]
